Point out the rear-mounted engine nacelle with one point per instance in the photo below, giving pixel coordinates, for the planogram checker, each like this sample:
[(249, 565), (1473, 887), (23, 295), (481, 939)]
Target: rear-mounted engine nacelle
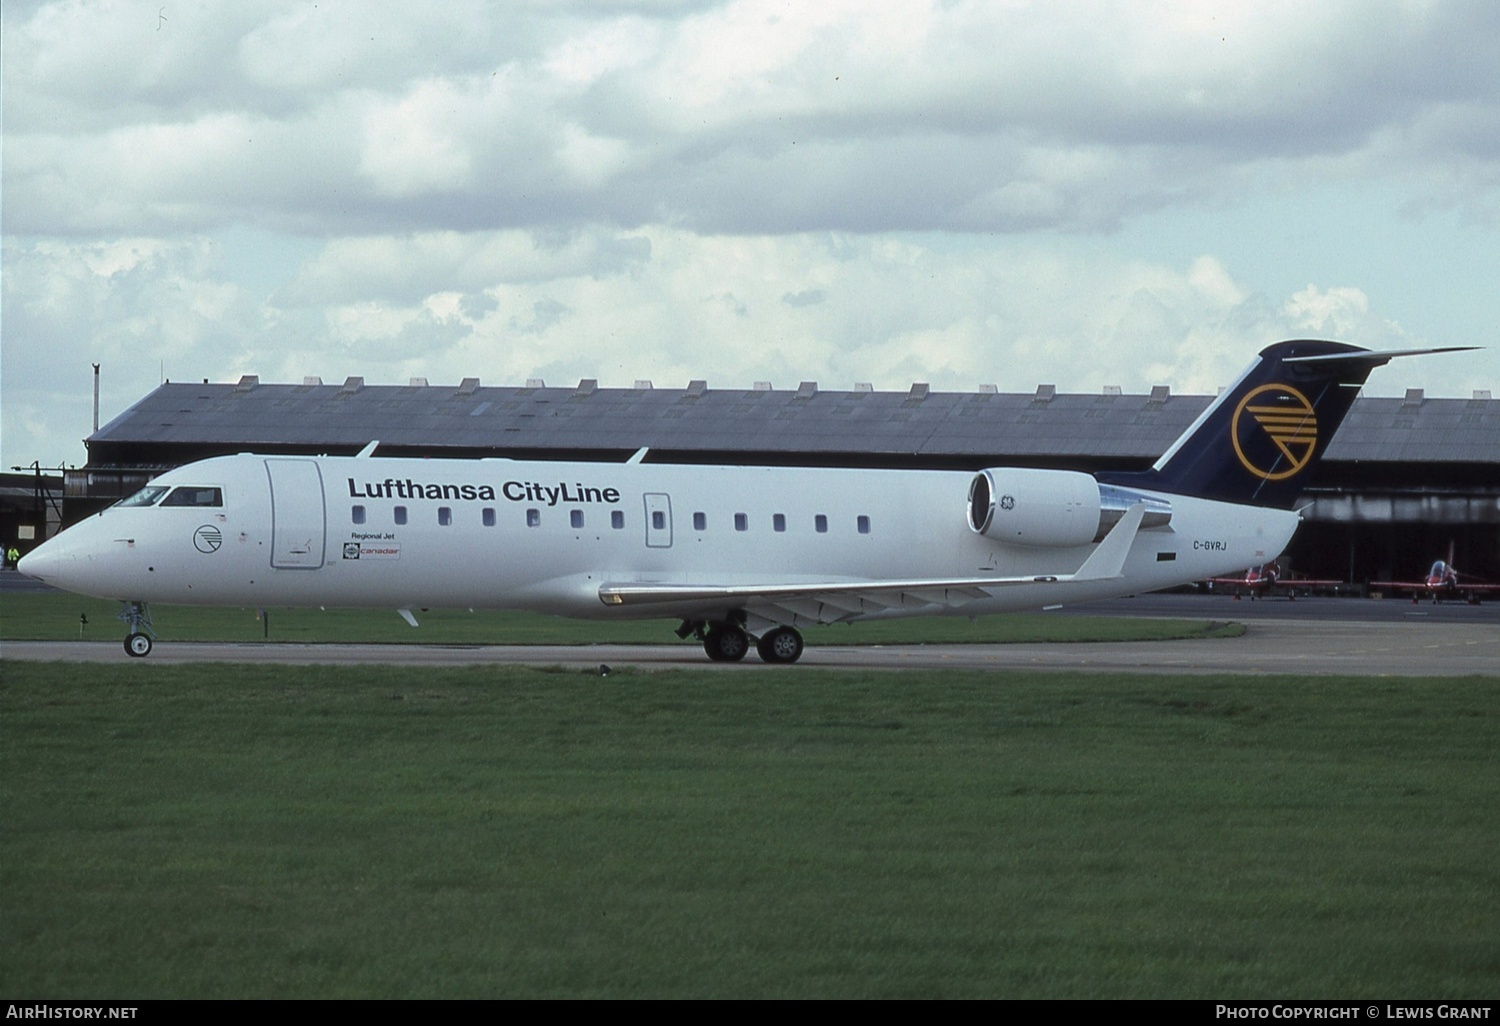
[(1021, 506), (1034, 507)]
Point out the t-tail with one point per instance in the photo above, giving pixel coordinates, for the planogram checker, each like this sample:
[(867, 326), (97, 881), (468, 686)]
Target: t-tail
[(1260, 440)]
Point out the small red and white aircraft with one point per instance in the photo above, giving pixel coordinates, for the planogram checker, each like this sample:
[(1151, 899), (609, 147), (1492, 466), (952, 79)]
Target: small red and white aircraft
[(1443, 580), (1266, 578)]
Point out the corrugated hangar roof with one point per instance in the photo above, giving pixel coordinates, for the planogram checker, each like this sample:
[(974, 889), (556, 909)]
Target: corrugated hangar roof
[(808, 420)]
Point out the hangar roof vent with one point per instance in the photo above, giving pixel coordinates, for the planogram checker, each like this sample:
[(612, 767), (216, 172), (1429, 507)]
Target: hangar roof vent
[(1414, 397), (1044, 394), (351, 385), (468, 386), (919, 390), (416, 383), (248, 382), (311, 382), (807, 390), (697, 387), (586, 386), (1481, 395), (1160, 394)]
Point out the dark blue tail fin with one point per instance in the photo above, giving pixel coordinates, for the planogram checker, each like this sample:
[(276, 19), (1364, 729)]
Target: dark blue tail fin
[(1259, 441)]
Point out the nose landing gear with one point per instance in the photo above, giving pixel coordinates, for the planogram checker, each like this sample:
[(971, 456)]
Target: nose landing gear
[(137, 617)]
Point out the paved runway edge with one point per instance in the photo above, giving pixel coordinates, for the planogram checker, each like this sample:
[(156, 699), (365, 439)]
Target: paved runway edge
[(1268, 646)]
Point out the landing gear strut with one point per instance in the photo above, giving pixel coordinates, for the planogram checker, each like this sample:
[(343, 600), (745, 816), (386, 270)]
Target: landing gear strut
[(727, 641), (138, 618)]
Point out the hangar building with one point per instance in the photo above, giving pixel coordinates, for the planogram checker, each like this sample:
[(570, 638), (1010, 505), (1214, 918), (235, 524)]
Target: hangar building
[(1402, 480)]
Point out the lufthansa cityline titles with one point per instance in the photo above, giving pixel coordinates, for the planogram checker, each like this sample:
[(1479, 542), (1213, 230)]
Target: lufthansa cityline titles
[(515, 491)]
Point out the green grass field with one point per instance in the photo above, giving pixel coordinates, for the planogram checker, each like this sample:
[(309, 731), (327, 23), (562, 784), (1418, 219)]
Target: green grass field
[(237, 831), (56, 617)]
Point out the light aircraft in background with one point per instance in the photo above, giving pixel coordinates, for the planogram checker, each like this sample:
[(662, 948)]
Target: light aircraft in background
[(1443, 580), (1267, 579), (742, 556)]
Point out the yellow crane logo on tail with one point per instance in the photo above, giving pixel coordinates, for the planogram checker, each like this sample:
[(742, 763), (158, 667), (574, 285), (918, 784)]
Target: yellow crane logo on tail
[(1286, 420)]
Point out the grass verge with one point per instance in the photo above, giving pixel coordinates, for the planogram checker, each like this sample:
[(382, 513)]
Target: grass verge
[(243, 831)]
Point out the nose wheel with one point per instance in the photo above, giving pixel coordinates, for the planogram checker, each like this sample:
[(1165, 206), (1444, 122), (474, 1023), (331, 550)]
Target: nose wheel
[(138, 645)]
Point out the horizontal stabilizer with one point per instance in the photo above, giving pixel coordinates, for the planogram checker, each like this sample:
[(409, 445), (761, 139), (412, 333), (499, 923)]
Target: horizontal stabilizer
[(1373, 359)]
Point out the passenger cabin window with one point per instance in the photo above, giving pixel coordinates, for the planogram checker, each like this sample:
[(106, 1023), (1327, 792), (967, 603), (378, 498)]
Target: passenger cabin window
[(820, 523), (147, 496), (617, 519), (445, 516), (357, 514), (193, 496), (864, 524), (576, 518), (741, 522), (778, 521), (658, 520), (400, 514), (533, 518), (700, 521), (489, 516)]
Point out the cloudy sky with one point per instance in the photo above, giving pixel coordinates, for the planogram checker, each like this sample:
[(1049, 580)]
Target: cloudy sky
[(1076, 193)]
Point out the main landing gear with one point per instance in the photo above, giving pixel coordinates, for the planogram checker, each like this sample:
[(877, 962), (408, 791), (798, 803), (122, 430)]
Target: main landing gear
[(138, 618), (727, 642)]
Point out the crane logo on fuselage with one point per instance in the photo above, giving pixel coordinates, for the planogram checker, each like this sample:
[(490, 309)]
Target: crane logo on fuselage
[(1275, 432), (208, 538)]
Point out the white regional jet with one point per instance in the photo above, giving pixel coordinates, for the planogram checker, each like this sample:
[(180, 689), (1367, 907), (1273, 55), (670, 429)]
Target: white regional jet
[(742, 555)]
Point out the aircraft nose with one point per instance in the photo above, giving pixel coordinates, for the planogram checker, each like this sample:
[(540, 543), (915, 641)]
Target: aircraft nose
[(45, 562)]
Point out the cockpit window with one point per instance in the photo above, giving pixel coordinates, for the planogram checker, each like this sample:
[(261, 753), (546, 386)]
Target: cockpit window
[(194, 496), (147, 496)]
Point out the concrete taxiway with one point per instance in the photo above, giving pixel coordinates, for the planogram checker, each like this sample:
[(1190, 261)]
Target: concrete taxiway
[(1308, 647), (1309, 636)]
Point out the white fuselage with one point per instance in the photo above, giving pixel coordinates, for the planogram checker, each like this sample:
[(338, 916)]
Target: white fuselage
[(494, 533)]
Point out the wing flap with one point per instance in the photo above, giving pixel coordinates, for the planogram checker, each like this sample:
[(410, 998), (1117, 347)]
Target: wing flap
[(833, 601)]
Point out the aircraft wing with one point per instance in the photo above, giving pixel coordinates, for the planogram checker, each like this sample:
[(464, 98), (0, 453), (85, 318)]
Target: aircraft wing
[(836, 601)]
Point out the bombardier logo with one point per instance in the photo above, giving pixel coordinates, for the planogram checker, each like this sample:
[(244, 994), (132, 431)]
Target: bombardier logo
[(1275, 432)]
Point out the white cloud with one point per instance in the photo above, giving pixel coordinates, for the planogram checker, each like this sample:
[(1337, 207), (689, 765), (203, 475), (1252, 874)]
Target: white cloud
[(419, 144), (661, 190), (754, 115)]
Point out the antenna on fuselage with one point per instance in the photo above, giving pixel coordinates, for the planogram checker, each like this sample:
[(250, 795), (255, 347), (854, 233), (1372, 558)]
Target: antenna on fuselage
[(367, 451)]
